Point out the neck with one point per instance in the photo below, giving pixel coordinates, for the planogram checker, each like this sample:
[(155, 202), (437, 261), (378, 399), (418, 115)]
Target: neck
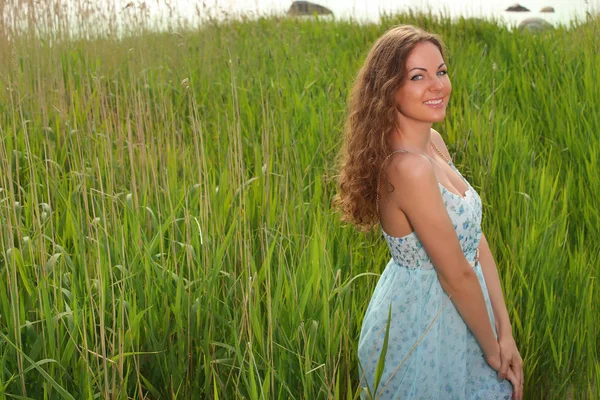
[(414, 136)]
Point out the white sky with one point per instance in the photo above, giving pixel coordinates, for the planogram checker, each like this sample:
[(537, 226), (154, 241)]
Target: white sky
[(369, 9)]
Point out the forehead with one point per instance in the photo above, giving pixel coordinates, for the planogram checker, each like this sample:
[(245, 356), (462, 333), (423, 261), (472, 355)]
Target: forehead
[(424, 53)]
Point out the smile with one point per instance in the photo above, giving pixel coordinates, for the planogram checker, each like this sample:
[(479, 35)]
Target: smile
[(435, 103)]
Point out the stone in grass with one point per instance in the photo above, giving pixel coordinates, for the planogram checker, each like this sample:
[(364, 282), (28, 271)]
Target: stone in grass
[(534, 25), (517, 8), (547, 9), (304, 8)]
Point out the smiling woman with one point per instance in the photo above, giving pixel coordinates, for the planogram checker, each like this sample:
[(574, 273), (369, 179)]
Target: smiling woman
[(414, 342)]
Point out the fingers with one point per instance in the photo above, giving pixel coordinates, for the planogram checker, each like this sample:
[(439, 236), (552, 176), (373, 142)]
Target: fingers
[(503, 367), (517, 387), (509, 365), (522, 378), (518, 368)]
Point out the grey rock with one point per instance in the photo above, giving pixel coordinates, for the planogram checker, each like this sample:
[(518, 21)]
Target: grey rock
[(534, 25), (547, 9), (301, 8), (517, 8)]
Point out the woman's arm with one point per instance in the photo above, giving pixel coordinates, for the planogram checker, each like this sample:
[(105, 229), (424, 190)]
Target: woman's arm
[(511, 366), (488, 266), (492, 281), (512, 363)]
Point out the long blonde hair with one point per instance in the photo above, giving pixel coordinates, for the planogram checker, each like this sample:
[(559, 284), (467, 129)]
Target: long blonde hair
[(371, 118)]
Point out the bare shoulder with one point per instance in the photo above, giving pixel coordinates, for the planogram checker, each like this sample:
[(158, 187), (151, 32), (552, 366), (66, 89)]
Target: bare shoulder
[(438, 140), (409, 166), (413, 174)]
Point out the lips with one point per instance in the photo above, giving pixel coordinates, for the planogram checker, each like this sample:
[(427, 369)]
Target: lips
[(435, 103)]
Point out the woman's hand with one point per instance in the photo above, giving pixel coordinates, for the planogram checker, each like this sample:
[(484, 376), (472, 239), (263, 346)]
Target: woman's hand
[(505, 357), (517, 384), (511, 362)]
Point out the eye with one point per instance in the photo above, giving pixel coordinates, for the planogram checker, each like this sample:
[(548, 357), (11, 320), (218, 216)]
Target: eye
[(416, 78), (443, 72)]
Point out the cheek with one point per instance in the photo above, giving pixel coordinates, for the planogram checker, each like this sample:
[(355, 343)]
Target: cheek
[(400, 99), (406, 96), (400, 94)]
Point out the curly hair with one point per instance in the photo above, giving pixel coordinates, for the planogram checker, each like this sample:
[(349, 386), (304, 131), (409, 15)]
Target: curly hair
[(370, 120)]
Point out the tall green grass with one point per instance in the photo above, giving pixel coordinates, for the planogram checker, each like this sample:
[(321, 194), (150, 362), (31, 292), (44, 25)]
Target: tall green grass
[(165, 219)]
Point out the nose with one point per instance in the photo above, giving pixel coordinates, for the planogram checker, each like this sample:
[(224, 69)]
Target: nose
[(437, 84)]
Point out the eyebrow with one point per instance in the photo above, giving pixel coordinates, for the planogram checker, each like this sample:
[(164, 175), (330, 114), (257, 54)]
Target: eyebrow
[(423, 69)]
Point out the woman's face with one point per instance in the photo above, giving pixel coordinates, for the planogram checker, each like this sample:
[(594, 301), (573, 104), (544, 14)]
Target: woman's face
[(425, 90)]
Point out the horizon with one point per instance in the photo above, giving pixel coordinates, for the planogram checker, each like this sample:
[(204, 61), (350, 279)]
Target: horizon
[(121, 16)]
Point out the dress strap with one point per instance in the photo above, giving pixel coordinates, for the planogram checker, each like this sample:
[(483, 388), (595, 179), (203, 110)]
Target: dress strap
[(379, 175), (442, 154)]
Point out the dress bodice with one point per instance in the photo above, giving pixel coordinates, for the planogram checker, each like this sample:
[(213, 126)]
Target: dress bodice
[(465, 213)]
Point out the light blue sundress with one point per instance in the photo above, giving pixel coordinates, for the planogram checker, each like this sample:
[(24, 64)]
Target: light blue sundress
[(448, 362)]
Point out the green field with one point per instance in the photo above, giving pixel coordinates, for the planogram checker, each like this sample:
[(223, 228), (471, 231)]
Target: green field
[(166, 228)]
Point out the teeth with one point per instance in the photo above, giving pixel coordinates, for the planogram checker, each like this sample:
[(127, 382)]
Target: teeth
[(433, 102)]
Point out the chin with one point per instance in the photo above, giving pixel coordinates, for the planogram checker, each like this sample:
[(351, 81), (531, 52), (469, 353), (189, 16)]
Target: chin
[(437, 118)]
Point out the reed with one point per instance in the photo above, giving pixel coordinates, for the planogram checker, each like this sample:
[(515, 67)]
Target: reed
[(166, 228)]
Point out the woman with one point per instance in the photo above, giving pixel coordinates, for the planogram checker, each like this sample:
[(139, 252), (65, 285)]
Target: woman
[(449, 335)]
